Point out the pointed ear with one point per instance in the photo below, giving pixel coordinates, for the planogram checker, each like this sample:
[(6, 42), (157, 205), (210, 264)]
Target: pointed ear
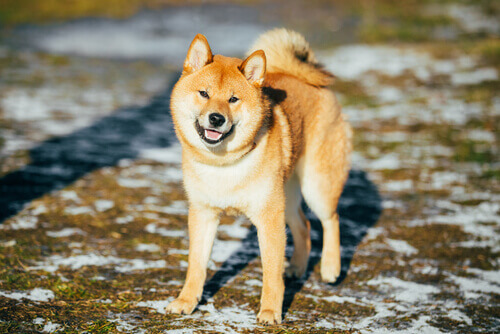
[(254, 68), (199, 55)]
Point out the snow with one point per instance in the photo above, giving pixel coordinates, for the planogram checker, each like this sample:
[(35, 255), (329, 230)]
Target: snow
[(172, 154), (102, 205), (472, 19), (153, 228), (50, 327), (54, 262), (124, 220), (134, 183), (10, 243), (404, 291), (400, 185), (65, 232), (21, 223), (157, 305), (235, 230), (389, 161), (401, 246), (474, 77), (223, 249), (481, 135), (459, 316), (139, 264), (37, 295), (147, 248), (159, 35), (69, 195), (78, 210)]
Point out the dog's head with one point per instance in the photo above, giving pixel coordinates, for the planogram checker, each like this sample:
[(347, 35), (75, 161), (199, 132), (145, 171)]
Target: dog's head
[(217, 104)]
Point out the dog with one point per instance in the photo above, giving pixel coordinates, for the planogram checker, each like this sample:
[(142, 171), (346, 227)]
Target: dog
[(257, 135)]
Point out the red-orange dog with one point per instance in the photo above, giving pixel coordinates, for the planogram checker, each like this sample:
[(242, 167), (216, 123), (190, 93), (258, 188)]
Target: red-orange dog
[(255, 135)]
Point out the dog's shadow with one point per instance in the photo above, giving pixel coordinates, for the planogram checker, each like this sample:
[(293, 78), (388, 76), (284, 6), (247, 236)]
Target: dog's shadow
[(359, 209)]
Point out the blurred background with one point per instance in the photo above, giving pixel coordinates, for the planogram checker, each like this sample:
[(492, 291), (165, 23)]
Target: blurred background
[(92, 211)]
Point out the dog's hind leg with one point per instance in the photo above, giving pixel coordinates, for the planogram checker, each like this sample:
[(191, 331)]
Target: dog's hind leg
[(300, 228), (322, 172)]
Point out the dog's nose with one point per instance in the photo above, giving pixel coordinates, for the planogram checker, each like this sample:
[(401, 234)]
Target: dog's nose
[(216, 119)]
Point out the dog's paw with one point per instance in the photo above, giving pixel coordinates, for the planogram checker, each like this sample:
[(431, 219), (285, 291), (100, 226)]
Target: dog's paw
[(269, 317), (295, 271), (330, 272), (181, 306)]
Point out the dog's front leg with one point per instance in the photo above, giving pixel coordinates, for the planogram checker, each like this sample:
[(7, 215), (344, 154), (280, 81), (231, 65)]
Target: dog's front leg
[(202, 225), (272, 241)]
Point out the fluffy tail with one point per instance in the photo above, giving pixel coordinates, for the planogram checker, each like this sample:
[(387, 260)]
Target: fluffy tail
[(288, 52)]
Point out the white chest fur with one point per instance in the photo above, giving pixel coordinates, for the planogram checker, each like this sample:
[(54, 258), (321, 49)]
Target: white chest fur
[(237, 186)]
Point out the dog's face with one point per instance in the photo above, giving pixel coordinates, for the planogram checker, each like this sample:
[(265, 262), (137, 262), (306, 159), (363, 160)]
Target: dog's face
[(216, 104)]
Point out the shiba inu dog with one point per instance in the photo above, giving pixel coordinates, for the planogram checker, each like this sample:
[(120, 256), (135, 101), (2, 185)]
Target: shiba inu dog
[(257, 135)]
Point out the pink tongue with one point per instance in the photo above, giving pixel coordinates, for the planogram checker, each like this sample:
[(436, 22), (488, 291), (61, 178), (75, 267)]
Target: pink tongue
[(214, 135)]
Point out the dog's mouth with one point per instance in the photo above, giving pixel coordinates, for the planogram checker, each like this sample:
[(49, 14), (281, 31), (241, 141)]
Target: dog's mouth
[(212, 136)]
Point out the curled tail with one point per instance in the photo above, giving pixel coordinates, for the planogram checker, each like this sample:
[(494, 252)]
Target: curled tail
[(288, 52)]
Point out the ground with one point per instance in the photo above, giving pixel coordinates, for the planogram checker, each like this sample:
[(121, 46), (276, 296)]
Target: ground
[(93, 231)]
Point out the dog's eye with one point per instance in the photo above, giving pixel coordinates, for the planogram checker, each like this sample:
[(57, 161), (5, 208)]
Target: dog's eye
[(204, 94), (233, 99)]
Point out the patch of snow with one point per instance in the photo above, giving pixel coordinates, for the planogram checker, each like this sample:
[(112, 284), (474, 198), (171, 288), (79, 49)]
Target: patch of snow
[(178, 251), (404, 291), (459, 316), (66, 232), (475, 287), (340, 299), (474, 77), (139, 264), (21, 223), (398, 185), (389, 94), (253, 282), (175, 208), (134, 183), (157, 305), (469, 217), (389, 161), (160, 34), (324, 324), (69, 195), (481, 135), (39, 209), (10, 243), (153, 228), (472, 19), (390, 204), (401, 246), (147, 248), (235, 230), (172, 154), (54, 262), (51, 327), (37, 295), (172, 175), (38, 321), (102, 205), (374, 232), (124, 220), (78, 210), (223, 249)]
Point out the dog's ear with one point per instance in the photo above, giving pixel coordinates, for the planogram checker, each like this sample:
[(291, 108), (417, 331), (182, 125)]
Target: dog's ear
[(254, 68), (198, 55)]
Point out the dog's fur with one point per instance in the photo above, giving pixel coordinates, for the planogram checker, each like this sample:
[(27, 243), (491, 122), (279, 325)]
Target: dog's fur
[(284, 136)]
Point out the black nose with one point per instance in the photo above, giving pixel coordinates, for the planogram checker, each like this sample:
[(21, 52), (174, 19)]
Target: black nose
[(216, 119)]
